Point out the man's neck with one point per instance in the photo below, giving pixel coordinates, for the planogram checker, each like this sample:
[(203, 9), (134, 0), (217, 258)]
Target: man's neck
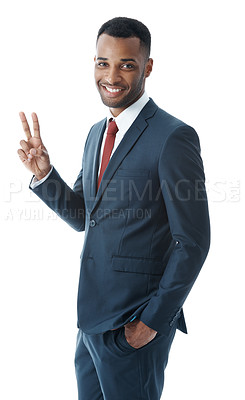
[(116, 111)]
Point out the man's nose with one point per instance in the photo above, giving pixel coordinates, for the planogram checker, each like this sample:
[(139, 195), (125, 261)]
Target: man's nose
[(113, 76)]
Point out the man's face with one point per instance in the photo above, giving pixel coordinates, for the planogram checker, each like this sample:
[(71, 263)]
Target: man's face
[(121, 67)]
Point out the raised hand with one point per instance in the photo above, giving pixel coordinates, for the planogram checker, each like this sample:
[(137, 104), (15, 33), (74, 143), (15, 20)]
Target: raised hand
[(33, 153)]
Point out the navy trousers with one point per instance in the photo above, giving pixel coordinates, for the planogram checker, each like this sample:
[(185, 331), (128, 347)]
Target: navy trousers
[(108, 368)]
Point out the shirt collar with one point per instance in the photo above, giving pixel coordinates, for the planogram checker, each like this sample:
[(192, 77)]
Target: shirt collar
[(125, 119)]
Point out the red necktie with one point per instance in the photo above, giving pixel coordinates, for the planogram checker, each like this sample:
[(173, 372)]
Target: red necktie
[(109, 143)]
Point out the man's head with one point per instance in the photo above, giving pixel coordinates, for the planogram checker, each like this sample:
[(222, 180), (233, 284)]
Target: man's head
[(122, 27), (122, 62)]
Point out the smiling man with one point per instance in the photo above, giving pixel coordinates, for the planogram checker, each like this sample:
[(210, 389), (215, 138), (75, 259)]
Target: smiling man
[(140, 197), (121, 66)]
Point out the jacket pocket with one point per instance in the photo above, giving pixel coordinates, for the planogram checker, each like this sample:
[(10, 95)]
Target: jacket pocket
[(138, 265)]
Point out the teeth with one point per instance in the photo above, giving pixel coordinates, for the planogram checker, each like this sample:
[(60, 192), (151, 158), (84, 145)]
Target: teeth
[(112, 90)]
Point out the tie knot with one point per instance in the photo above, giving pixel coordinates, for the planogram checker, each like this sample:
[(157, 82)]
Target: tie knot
[(112, 128)]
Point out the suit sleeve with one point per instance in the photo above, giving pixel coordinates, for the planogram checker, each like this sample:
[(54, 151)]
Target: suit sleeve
[(182, 181), (66, 202)]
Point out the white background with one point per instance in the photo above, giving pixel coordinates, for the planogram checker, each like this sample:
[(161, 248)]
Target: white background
[(47, 50)]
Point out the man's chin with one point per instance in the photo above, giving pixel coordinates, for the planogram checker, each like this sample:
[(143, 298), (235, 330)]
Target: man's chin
[(110, 103), (116, 103)]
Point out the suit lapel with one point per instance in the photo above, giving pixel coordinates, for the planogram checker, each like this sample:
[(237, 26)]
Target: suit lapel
[(96, 158), (127, 142)]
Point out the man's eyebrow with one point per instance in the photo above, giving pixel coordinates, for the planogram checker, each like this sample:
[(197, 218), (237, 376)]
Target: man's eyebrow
[(121, 59), (128, 59)]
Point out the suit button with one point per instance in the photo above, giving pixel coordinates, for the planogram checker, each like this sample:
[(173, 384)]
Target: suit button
[(92, 223)]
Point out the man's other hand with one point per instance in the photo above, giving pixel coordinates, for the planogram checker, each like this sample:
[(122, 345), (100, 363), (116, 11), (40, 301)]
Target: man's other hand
[(138, 334)]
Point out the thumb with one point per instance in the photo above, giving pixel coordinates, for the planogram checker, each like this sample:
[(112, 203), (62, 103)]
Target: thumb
[(42, 153)]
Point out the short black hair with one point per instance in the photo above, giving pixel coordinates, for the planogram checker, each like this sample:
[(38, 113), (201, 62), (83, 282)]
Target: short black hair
[(122, 27)]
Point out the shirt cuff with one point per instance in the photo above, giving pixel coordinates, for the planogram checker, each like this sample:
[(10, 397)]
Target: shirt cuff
[(35, 182)]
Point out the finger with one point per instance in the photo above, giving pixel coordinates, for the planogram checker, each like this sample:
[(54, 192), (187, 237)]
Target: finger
[(25, 146), (25, 125), (22, 155), (38, 153), (36, 127)]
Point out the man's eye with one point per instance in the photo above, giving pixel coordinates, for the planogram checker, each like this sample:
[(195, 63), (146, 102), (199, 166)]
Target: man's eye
[(127, 66), (102, 64)]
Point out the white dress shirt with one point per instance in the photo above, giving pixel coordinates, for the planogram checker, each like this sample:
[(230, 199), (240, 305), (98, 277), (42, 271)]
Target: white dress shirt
[(124, 120)]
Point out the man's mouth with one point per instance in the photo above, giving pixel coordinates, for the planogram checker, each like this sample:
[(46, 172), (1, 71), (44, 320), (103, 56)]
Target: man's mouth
[(112, 90)]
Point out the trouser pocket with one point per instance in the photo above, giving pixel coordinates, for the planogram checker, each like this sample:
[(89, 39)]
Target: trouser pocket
[(121, 340)]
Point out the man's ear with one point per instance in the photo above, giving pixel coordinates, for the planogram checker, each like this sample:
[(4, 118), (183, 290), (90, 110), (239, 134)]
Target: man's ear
[(148, 67)]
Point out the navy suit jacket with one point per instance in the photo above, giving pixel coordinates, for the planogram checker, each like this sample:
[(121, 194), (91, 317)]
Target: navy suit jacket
[(147, 230)]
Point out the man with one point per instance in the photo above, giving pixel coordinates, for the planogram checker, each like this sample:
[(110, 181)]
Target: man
[(140, 197)]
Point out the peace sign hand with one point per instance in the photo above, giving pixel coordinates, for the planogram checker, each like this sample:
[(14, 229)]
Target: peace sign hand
[(33, 153)]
